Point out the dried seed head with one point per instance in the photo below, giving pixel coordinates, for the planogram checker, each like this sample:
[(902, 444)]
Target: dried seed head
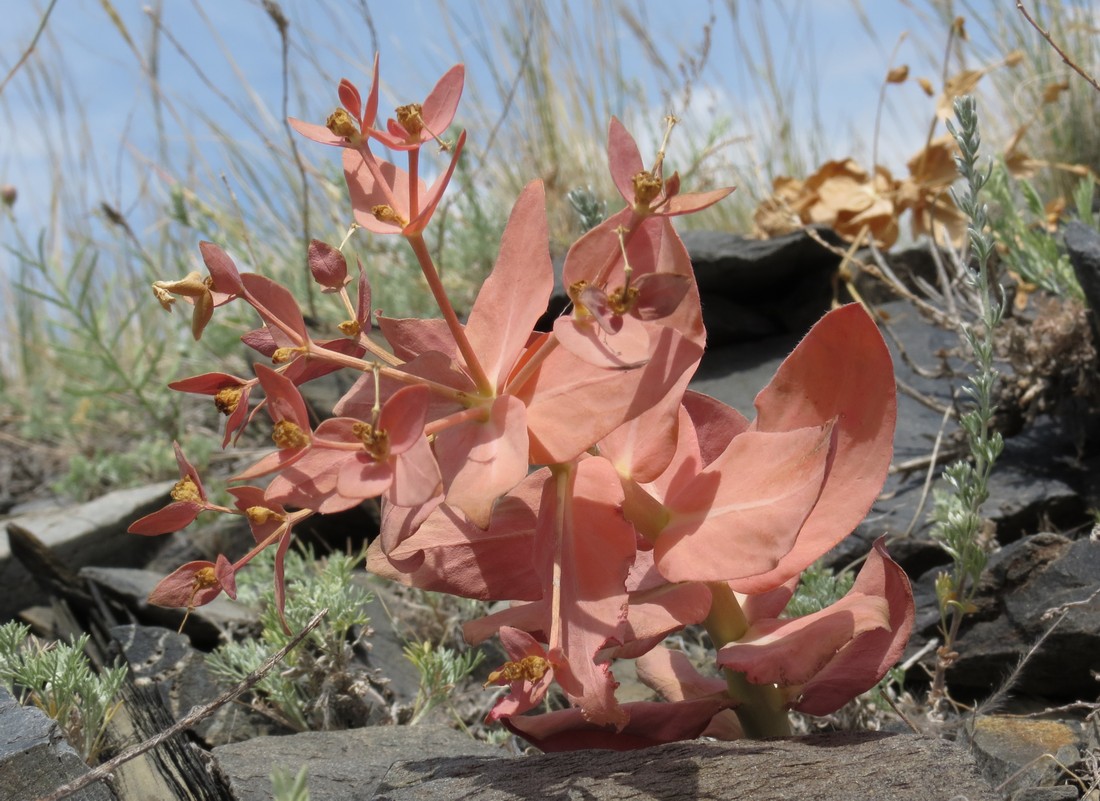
[(258, 515), (349, 328), (387, 214)]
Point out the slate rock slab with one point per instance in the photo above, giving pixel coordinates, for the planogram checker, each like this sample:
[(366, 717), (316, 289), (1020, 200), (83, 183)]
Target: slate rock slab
[(92, 533), (1022, 582), (35, 759), (1008, 750), (837, 767), (342, 765)]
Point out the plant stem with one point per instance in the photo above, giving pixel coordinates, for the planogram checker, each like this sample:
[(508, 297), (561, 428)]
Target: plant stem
[(473, 366), (760, 710)]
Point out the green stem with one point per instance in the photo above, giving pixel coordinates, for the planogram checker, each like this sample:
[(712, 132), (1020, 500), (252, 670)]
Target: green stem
[(760, 708)]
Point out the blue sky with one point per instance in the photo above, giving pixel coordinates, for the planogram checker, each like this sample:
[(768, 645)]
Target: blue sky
[(820, 47)]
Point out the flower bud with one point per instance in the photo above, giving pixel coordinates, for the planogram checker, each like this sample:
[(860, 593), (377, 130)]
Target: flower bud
[(8, 194)]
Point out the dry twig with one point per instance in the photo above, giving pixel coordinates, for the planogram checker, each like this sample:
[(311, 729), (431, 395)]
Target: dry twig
[(1046, 35)]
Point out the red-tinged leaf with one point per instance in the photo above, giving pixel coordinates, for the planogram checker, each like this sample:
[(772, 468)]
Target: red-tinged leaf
[(370, 111), (480, 460), (416, 477), (432, 198), (261, 340), (207, 383), (438, 109), (309, 367), (643, 448), (790, 652), (649, 723), (226, 575), (529, 617), (328, 265), (277, 307), (525, 693), (572, 405), (318, 133), (657, 612), (248, 497), (367, 191), (840, 371), (361, 477), (358, 401), (588, 257), (659, 294), (447, 553), (673, 677), (515, 294), (350, 99), (188, 470), (411, 336), (628, 348), (597, 548), (284, 401), (768, 604), (227, 280), (692, 202), (741, 515), (624, 159), (402, 417), (862, 663), (272, 462), (715, 424), (173, 517), (182, 589), (362, 302), (235, 423)]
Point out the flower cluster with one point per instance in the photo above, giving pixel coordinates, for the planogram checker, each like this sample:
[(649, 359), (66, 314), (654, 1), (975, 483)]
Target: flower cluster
[(570, 472)]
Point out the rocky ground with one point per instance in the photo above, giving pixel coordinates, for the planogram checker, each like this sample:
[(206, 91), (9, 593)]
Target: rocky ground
[(73, 568)]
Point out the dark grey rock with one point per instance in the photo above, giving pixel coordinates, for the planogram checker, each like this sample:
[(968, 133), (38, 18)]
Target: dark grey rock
[(92, 533), (1022, 582), (343, 765), (1010, 751), (838, 767), (1060, 793), (1083, 247), (35, 759), (166, 660)]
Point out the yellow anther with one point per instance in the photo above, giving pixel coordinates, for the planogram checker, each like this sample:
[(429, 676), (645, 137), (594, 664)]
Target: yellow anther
[(410, 118), (204, 577), (385, 213), (647, 187), (349, 328), (622, 300), (288, 435), (186, 490), (376, 441), (227, 398), (258, 515), (530, 668), (342, 124), (282, 355)]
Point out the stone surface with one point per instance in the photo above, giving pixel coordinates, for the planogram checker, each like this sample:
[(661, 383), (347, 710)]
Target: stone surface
[(1010, 751), (166, 660), (1022, 582), (93, 533), (1083, 247), (840, 767), (35, 759), (342, 765)]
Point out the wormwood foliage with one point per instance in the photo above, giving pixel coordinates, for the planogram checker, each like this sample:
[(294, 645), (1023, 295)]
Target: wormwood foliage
[(565, 470), (58, 679)]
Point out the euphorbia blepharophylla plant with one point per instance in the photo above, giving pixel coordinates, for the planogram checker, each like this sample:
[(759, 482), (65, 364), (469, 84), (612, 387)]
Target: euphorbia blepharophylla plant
[(568, 471)]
